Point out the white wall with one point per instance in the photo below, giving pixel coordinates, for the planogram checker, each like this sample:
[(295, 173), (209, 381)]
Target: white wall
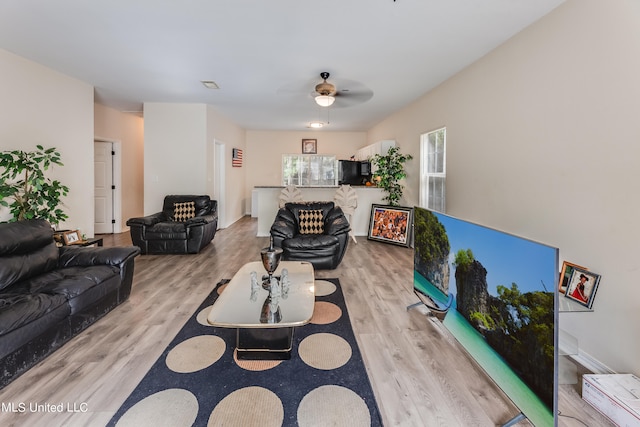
[(543, 140), (178, 156), (222, 130), (263, 156), (175, 143), (41, 106)]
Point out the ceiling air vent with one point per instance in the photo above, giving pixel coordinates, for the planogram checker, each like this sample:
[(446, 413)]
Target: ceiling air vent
[(210, 84)]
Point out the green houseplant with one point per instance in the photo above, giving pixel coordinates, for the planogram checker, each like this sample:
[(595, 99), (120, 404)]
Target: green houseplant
[(23, 180), (389, 171)]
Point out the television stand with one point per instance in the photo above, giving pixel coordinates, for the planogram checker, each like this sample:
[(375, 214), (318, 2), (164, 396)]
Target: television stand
[(515, 420)]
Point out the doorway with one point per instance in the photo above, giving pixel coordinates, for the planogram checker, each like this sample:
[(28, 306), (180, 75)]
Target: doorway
[(106, 194)]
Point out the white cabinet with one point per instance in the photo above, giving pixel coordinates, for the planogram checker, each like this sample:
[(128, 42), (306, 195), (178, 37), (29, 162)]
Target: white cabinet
[(380, 147), (385, 145)]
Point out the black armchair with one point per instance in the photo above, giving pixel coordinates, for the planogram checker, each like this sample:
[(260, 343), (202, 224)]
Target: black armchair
[(316, 232), (185, 226)]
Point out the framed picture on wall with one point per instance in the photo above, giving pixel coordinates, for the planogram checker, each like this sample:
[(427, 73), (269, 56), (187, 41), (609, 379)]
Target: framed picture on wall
[(309, 146), (582, 286), (391, 224)]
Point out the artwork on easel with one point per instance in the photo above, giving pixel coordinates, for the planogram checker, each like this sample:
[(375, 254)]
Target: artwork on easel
[(390, 224)]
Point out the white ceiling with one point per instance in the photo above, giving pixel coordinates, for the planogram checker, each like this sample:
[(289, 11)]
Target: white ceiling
[(266, 56)]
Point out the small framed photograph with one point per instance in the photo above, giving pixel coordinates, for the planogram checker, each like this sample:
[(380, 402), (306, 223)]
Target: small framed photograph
[(565, 275), (582, 286), (71, 237), (309, 146), (391, 224)]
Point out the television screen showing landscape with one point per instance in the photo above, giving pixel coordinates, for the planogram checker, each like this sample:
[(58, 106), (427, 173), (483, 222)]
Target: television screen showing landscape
[(500, 291)]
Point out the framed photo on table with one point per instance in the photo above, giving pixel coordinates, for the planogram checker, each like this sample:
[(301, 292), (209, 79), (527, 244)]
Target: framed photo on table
[(565, 275), (391, 224), (582, 286), (309, 146), (71, 237)]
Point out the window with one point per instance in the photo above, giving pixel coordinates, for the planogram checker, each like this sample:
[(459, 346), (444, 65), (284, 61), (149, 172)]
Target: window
[(433, 169), (309, 170)]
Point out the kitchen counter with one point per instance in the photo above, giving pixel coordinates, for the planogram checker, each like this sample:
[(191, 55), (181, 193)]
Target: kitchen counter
[(265, 201), (335, 187)]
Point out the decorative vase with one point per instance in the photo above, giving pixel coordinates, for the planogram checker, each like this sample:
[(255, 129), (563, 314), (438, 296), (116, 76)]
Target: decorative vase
[(270, 260)]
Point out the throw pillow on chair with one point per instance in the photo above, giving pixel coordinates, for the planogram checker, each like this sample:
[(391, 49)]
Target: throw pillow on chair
[(183, 211), (311, 221)]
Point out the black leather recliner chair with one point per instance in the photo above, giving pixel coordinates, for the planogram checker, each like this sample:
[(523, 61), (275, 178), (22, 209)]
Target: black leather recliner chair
[(186, 225), (316, 232)]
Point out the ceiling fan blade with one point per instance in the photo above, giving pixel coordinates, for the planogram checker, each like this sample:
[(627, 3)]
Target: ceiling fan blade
[(299, 87), (346, 102), (349, 98)]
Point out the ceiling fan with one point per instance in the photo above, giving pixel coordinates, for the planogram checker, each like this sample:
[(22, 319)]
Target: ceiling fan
[(325, 91), (352, 92)]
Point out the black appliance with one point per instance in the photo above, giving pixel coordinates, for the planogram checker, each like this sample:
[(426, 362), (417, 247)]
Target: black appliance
[(353, 172)]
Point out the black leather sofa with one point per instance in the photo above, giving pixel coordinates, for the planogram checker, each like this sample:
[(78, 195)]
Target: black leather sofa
[(166, 232), (50, 294), (316, 232)]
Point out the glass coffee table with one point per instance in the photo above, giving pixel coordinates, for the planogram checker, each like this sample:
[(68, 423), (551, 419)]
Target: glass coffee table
[(265, 325)]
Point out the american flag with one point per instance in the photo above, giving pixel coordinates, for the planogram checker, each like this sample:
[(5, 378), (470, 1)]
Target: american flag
[(236, 160)]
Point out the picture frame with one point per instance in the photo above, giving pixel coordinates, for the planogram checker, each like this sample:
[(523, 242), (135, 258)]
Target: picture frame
[(565, 275), (309, 146), (71, 237), (391, 224), (582, 286)]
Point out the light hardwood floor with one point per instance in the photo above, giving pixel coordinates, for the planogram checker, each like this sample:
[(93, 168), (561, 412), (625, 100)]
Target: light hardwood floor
[(418, 372)]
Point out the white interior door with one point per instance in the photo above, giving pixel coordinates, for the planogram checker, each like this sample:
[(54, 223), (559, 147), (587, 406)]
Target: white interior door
[(103, 187)]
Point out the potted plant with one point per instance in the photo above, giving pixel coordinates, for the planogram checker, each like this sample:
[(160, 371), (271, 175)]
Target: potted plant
[(389, 171), (22, 179)]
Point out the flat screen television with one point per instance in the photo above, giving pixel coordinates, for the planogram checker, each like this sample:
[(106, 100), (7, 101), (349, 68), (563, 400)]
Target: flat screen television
[(496, 293)]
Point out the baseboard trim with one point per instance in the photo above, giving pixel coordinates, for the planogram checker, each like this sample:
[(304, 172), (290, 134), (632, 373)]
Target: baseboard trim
[(233, 221)]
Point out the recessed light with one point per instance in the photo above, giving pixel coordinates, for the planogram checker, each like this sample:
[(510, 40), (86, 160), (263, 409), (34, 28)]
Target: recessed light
[(210, 84)]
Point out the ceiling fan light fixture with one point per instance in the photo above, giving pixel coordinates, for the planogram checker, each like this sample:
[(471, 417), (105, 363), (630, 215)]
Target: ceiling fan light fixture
[(325, 100)]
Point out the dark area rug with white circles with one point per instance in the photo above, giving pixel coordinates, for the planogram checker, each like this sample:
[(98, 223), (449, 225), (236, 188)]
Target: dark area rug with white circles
[(198, 380)]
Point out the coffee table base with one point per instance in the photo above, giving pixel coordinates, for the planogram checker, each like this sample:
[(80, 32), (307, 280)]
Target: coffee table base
[(264, 343)]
